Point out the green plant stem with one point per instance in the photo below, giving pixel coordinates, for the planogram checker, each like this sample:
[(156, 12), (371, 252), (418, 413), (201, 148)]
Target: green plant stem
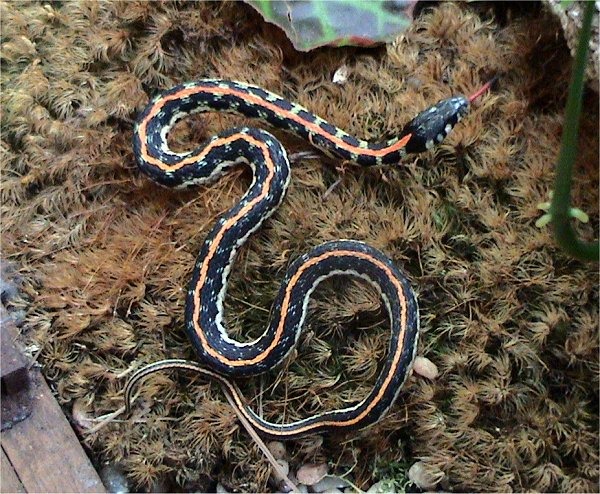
[(564, 233)]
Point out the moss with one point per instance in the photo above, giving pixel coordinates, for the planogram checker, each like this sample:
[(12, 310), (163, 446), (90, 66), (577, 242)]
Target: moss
[(105, 255)]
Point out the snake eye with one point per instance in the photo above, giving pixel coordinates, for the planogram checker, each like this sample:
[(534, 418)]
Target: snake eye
[(431, 126)]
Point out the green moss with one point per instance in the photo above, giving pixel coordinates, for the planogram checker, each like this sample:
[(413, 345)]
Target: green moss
[(392, 476)]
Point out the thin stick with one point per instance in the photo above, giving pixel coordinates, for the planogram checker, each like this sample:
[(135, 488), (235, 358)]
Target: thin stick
[(330, 189), (106, 419), (261, 444)]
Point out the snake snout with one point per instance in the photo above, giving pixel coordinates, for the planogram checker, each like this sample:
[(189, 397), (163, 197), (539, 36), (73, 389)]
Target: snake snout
[(431, 126)]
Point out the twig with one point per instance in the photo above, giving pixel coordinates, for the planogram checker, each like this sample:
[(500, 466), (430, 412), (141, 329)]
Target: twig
[(331, 188), (260, 443), (106, 419)]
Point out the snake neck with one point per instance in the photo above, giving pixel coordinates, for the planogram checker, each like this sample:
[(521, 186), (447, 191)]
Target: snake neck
[(420, 134)]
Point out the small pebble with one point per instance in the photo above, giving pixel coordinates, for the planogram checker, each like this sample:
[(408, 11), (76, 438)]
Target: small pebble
[(284, 487), (425, 367), (114, 479), (285, 466), (277, 449), (11, 315), (220, 489), (424, 476), (383, 486), (80, 415), (302, 488), (341, 75), (310, 474), (329, 482), (9, 282), (281, 483)]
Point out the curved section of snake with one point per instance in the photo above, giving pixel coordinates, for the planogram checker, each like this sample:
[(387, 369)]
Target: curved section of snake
[(220, 356)]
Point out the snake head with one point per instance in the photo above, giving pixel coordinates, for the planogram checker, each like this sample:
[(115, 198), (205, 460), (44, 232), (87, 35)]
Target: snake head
[(431, 126)]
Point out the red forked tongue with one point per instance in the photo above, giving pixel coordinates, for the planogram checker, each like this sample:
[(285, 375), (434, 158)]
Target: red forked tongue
[(483, 89)]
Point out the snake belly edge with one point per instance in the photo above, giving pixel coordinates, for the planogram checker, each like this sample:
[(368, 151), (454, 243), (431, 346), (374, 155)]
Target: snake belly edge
[(220, 356)]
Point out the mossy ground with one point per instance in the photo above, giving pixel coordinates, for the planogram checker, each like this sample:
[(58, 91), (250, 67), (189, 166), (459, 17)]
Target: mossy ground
[(106, 255)]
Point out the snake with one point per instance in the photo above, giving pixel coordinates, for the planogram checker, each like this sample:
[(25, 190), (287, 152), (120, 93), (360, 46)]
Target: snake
[(221, 358)]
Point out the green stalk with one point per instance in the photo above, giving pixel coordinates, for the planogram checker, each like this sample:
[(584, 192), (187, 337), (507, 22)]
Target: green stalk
[(564, 233)]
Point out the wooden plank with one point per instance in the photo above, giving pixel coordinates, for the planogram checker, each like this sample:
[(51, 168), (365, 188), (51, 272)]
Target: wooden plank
[(15, 403), (9, 482), (13, 369), (44, 450)]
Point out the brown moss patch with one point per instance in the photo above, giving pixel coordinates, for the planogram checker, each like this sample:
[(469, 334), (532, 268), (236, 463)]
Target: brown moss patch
[(106, 255)]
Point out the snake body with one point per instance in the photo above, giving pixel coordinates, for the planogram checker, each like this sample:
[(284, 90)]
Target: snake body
[(220, 357)]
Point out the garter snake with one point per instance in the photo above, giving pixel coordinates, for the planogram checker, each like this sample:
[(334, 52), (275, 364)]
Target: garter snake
[(220, 357)]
